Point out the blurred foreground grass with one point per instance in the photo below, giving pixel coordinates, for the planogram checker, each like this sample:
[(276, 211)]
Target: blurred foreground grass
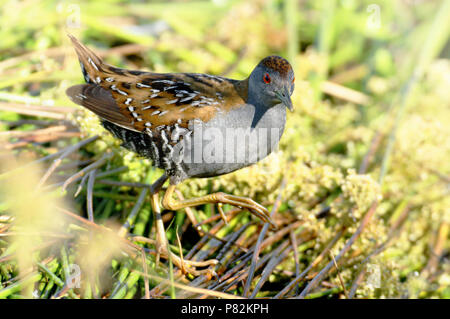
[(361, 179)]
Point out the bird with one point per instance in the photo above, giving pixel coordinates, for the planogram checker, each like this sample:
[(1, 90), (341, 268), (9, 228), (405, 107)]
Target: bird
[(191, 125)]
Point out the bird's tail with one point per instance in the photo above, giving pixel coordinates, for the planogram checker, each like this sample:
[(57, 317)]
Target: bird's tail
[(91, 65)]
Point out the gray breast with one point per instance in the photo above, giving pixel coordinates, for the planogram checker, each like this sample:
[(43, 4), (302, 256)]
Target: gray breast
[(229, 141)]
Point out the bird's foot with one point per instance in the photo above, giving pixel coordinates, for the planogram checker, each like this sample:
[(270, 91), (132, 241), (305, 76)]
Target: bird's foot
[(188, 266), (220, 199), (163, 250)]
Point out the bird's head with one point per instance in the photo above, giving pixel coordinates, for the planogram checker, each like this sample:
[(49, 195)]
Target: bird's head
[(272, 82)]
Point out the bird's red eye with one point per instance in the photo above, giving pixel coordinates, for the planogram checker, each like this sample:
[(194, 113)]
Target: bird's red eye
[(266, 78)]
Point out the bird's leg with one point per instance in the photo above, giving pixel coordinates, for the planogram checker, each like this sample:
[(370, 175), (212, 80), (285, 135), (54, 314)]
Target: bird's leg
[(162, 247), (161, 240), (217, 198)]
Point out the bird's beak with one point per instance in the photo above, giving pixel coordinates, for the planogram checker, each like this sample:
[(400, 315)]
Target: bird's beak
[(285, 98)]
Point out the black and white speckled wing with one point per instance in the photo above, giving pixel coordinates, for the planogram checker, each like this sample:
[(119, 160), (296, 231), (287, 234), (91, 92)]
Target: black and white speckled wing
[(151, 100)]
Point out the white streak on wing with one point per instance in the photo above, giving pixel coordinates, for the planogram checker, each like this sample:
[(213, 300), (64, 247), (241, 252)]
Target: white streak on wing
[(169, 87), (122, 92), (177, 132), (164, 137), (164, 81), (81, 96), (114, 88), (92, 63), (190, 97), (172, 101)]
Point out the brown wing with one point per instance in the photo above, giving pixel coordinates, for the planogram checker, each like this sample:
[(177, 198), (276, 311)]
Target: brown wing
[(99, 101), (147, 101)]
